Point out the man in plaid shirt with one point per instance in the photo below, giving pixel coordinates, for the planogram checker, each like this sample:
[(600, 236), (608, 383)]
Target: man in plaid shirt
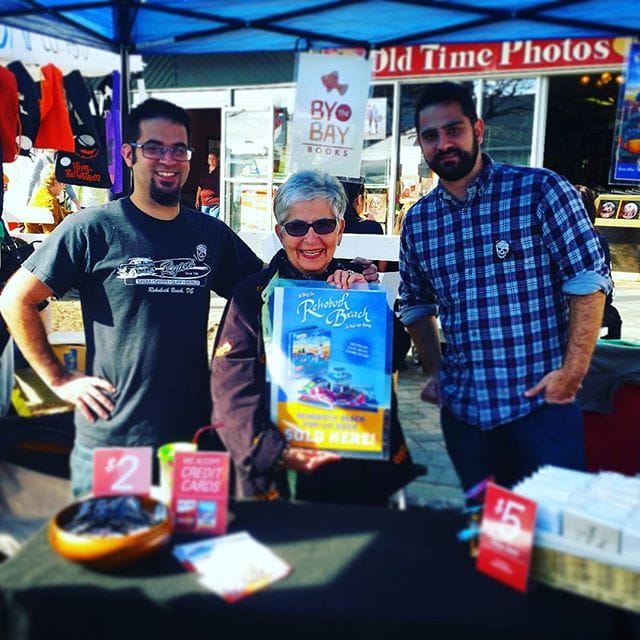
[(508, 260)]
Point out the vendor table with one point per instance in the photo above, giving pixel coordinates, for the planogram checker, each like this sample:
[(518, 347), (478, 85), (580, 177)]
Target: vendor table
[(357, 572)]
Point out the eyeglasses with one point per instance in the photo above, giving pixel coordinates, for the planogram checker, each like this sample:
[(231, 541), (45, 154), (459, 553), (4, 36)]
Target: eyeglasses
[(299, 228), (152, 151)]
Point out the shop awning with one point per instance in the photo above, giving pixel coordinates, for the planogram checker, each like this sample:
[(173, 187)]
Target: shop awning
[(223, 26)]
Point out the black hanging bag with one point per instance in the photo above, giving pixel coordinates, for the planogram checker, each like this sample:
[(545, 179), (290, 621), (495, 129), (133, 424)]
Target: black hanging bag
[(29, 107), (87, 166)]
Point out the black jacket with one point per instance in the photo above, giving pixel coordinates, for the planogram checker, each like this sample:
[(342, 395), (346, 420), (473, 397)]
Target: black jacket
[(240, 401)]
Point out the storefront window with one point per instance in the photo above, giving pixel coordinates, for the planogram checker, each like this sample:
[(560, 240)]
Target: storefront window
[(378, 152), (580, 126), (415, 178), (507, 110), (507, 107), (248, 167)]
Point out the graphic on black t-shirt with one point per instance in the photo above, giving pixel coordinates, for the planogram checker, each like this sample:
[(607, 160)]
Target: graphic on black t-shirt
[(174, 271)]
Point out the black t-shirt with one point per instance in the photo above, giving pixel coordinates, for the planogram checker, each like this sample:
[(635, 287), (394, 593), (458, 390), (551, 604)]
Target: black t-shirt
[(145, 288)]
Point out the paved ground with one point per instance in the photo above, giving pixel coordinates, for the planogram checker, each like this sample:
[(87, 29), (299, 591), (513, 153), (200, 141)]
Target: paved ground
[(420, 421)]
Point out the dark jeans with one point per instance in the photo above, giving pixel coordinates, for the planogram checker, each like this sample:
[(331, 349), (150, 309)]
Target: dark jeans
[(552, 434), (81, 462)]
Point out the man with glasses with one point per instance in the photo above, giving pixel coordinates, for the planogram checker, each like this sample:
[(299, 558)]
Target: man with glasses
[(144, 266)]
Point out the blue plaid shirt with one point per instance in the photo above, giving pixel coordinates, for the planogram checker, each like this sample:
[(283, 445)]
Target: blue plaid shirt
[(498, 269)]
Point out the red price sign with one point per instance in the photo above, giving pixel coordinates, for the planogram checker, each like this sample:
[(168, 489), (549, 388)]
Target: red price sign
[(506, 536), (122, 470)]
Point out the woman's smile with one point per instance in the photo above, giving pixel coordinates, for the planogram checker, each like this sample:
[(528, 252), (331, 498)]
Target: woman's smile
[(312, 252)]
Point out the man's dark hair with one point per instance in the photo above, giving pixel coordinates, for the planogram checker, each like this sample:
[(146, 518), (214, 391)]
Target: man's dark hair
[(445, 93), (588, 200), (153, 108), (353, 187)]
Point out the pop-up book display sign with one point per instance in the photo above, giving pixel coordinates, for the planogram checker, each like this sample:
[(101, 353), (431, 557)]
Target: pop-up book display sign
[(329, 364), (200, 492)]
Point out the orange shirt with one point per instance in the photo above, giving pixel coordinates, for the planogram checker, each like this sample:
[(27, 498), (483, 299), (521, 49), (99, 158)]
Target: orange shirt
[(55, 127)]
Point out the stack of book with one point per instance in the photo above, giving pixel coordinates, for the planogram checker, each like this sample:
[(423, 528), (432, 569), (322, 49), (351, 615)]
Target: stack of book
[(587, 537)]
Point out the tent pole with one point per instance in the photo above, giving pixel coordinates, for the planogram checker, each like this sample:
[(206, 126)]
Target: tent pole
[(124, 111)]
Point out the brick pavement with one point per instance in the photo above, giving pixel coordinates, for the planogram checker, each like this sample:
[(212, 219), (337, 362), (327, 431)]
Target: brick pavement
[(420, 421)]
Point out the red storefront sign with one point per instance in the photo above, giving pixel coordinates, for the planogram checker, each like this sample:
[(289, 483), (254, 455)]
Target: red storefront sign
[(498, 57)]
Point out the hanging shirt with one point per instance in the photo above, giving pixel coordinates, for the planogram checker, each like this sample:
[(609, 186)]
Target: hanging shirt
[(9, 122), (55, 128)]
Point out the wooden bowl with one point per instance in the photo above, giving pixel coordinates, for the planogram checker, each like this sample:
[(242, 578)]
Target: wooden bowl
[(106, 552)]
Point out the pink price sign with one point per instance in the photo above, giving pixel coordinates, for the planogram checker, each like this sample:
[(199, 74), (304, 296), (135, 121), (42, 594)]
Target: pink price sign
[(506, 536), (122, 470)]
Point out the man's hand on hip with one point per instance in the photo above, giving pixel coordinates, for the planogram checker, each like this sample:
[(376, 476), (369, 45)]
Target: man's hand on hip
[(88, 393), (558, 387)]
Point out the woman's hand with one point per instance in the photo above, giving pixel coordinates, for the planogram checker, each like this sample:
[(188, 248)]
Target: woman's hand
[(306, 460), (346, 279)]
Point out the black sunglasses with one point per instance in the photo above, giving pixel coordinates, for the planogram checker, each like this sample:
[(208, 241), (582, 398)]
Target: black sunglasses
[(298, 228)]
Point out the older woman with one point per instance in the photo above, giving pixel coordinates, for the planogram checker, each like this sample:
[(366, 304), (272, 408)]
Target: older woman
[(309, 210)]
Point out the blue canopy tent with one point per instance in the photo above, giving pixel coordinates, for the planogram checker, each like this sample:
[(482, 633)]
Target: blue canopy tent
[(229, 26), (224, 26), (188, 26), (221, 26)]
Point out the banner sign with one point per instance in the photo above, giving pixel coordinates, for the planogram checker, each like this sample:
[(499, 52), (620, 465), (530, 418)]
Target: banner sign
[(34, 48), (498, 57), (329, 363), (329, 113), (625, 166)]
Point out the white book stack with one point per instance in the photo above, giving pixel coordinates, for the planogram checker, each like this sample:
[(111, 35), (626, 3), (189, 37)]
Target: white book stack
[(592, 512), (551, 488), (587, 537)]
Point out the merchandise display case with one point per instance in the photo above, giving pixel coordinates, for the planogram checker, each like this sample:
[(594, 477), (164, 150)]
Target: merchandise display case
[(618, 210)]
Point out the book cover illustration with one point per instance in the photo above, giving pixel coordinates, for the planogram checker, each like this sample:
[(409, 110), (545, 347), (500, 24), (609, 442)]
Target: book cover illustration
[(200, 491), (233, 566), (329, 365), (309, 352)]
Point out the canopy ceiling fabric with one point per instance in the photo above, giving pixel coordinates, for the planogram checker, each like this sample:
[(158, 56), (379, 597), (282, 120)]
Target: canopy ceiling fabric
[(226, 26)]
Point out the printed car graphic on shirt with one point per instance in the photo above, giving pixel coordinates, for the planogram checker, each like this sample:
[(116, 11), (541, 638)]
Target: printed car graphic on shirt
[(137, 267), (164, 269)]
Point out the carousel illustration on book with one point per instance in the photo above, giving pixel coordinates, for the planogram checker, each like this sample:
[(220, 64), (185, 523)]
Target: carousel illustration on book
[(309, 357)]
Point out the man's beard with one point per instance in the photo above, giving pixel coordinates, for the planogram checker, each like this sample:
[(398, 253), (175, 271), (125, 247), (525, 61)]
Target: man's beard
[(164, 198), (453, 172)]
